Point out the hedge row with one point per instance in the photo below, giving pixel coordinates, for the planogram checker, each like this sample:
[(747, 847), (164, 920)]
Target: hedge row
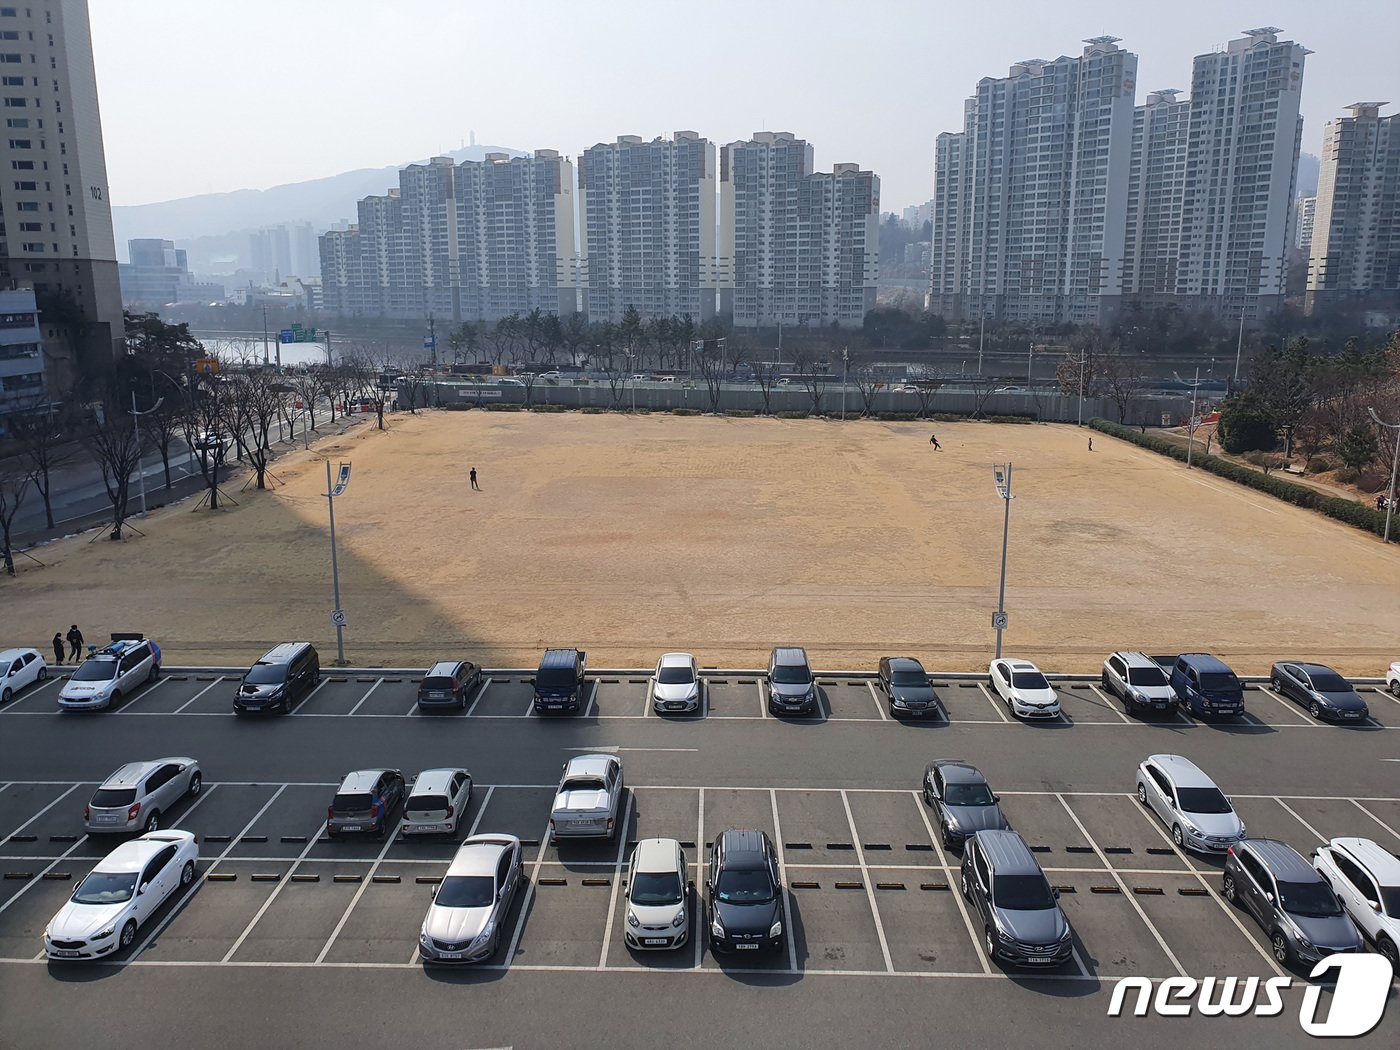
[(548, 408), (499, 407), (685, 411), (1349, 511)]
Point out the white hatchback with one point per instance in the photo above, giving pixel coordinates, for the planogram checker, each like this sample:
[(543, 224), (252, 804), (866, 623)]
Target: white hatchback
[(437, 802), (1024, 689), (20, 668), (658, 896)]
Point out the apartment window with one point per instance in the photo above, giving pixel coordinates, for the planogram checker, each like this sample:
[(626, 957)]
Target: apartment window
[(27, 206), (16, 103), (26, 186), (9, 34), (33, 246), (12, 12)]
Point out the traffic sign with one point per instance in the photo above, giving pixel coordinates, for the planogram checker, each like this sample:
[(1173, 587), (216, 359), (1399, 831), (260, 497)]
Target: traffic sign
[(338, 618), (998, 621)]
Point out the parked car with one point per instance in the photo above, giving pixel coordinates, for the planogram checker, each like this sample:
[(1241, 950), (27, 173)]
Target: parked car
[(1024, 689), (120, 894), (588, 803), (658, 896), (448, 683), (437, 802), (210, 440), (559, 680), (640, 378), (19, 669), (675, 686), (110, 674), (1206, 686), (509, 381), (552, 375), (744, 896), (1392, 678), (1325, 693), (905, 682), (1294, 906), (281, 676), (1022, 923), (469, 907), (1366, 878), (136, 794), (366, 802), (1140, 682), (963, 800), (791, 687), (1187, 801)]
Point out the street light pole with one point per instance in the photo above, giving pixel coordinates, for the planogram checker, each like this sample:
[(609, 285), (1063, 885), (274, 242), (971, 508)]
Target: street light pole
[(1239, 345), (140, 465), (1003, 484), (1083, 363), (337, 614), (845, 361), (1195, 386), (981, 336), (1394, 463)]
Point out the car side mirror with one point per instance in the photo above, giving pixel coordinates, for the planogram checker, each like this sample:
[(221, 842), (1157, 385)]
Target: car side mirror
[(1055, 890), (1374, 905), (432, 892), (996, 798)]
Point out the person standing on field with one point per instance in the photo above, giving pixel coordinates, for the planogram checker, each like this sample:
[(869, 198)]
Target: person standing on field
[(75, 639), (57, 647), (472, 475), (933, 440)]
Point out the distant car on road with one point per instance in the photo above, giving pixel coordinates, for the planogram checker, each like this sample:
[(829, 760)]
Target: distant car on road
[(554, 375), (588, 803), (111, 673), (905, 683), (963, 800), (640, 378), (1139, 681), (509, 381), (1024, 688), (210, 440), (1325, 693), (469, 908), (20, 668)]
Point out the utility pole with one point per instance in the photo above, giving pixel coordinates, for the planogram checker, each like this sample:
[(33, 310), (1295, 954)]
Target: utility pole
[(267, 358), (1083, 363), (1195, 386), (329, 361), (1002, 479), (1394, 463), (981, 336), (140, 457), (845, 360), (337, 614), (432, 339), (1239, 346), (1030, 365)]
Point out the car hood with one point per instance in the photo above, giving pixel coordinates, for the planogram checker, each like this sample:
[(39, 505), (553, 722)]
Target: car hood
[(1344, 701), (1215, 823), (248, 689), (676, 691), (747, 918), (78, 922), (977, 818), (581, 801), (1042, 926), (915, 694), (456, 924), (1327, 931), (658, 914), (790, 690), (1035, 696), (74, 690), (1154, 692)]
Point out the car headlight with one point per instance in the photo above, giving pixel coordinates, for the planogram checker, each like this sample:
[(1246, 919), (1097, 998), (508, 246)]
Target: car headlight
[(776, 930), (716, 927), (1244, 832), (1140, 697), (105, 933), (1067, 935), (423, 934), (486, 932), (1303, 942), (679, 920), (632, 919), (1322, 701), (951, 823)]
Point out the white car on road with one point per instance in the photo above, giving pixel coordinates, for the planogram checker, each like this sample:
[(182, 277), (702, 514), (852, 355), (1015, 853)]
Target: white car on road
[(120, 894), (1024, 689), (1367, 879), (675, 686), (20, 668), (589, 800), (470, 905)]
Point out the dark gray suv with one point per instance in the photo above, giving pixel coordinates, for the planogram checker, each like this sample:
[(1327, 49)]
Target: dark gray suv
[(791, 688), (1291, 902), (1021, 918)]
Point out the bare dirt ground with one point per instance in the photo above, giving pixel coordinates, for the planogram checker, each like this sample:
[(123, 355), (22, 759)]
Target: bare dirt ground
[(633, 536)]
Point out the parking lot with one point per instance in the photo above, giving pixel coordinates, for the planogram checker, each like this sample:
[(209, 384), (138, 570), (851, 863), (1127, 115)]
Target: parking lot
[(872, 896)]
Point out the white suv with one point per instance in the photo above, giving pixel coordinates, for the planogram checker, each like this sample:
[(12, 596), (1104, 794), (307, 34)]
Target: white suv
[(138, 793), (109, 674), (1139, 681), (1367, 879)]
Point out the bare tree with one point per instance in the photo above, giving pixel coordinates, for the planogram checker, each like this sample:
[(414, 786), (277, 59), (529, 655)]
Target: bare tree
[(43, 438), (765, 373), (163, 422), (982, 388), (1123, 380), (117, 445), (867, 384), (813, 381), (255, 406), (14, 485), (926, 389), (205, 422), (712, 371)]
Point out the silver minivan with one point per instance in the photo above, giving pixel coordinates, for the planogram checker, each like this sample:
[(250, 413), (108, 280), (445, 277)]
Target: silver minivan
[(135, 796)]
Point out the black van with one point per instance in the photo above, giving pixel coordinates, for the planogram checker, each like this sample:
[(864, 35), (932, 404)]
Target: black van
[(285, 674), (559, 681)]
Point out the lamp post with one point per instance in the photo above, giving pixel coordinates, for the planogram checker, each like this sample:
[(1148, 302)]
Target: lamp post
[(1195, 386), (1002, 478), (1239, 345), (981, 336), (337, 614), (136, 423), (845, 362), (185, 393), (1083, 363), (1394, 463), (632, 378)]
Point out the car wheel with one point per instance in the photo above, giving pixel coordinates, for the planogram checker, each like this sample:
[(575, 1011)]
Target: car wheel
[(43, 673), (965, 892), (152, 822), (1178, 837), (115, 698), (1315, 709), (1227, 888), (5, 695), (928, 799), (1386, 947), (1282, 952), (947, 839), (187, 873), (196, 784), (1103, 680), (1142, 792), (1276, 684), (1395, 687), (128, 933)]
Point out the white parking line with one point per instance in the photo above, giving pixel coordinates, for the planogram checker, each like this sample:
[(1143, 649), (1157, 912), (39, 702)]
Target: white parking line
[(307, 698), (616, 879), (1377, 819), (952, 883), (782, 874), (866, 878), (126, 707), (485, 685), (699, 880), (1124, 887), (1109, 703), (359, 891), (704, 698), (996, 704), (525, 904), (286, 878), (377, 683), (879, 703), (592, 699), (50, 806), (482, 811), (197, 695), (40, 876), (33, 691), (1294, 814), (762, 703), (1293, 708)]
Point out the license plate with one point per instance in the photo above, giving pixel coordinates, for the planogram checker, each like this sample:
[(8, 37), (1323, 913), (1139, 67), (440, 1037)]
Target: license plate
[(351, 827), (109, 820), (581, 823), (426, 828), (1352, 714), (655, 940), (1041, 962), (65, 953), (449, 955), (746, 947)]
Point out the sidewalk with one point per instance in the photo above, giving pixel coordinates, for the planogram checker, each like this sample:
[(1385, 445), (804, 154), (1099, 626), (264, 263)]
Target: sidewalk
[(1178, 436)]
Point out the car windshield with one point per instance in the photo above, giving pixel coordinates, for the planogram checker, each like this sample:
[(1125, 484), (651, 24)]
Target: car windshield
[(909, 678), (583, 784), (1022, 892), (102, 669), (791, 674), (1146, 676), (1203, 800), (968, 795), (1330, 683), (1308, 898), (559, 679), (354, 802), (656, 887), (1219, 680), (106, 887), (426, 803), (675, 676), (1029, 680), (104, 797), (749, 886), (466, 891), (266, 674)]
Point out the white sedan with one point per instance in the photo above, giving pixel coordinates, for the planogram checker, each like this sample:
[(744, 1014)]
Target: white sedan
[(1024, 689), (676, 684), (1392, 678), (20, 668), (120, 894)]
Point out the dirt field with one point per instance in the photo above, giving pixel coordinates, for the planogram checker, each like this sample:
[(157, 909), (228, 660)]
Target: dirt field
[(632, 536)]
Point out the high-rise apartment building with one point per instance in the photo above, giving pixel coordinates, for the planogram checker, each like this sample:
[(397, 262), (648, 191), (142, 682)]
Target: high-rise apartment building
[(1355, 250), (57, 233), (1305, 209), (647, 219), (1156, 189)]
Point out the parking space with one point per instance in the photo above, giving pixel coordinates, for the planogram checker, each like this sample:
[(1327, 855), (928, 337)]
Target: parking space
[(388, 910), (852, 699), (294, 819), (1206, 935), (502, 698), (667, 813), (42, 697), (923, 925), (1269, 818), (298, 917), (970, 702), (1111, 938), (1386, 818), (624, 696), (1385, 708), (217, 913), (890, 827), (390, 696), (28, 906), (1121, 835), (566, 920), (336, 694), (815, 827), (727, 808), (522, 812), (730, 696), (54, 826), (1085, 702), (204, 694), (1274, 710), (1049, 830), (832, 925)]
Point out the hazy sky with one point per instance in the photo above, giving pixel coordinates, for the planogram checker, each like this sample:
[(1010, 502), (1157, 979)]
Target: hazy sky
[(199, 96)]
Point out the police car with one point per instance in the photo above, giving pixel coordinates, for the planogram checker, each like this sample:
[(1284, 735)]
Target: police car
[(111, 673)]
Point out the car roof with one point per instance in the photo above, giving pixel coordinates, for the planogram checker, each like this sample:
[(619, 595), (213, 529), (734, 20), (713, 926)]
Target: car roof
[(131, 856), (743, 848), (1282, 860), (1183, 772), (676, 660), (1384, 865), (129, 774), (1205, 662), (280, 654), (955, 771), (1312, 669), (1007, 853), (1021, 665), (10, 654), (443, 669), (905, 663), (433, 781), (588, 765), (1133, 658), (791, 654), (558, 658), (480, 854), (656, 855), (362, 779)]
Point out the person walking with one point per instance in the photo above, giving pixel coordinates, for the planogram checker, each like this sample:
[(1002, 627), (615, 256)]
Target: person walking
[(933, 440), (1091, 444), (75, 639), (57, 648), (472, 475)]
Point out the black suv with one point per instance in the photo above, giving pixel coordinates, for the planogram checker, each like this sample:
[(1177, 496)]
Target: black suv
[(448, 683), (283, 675), (559, 681), (744, 895)]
